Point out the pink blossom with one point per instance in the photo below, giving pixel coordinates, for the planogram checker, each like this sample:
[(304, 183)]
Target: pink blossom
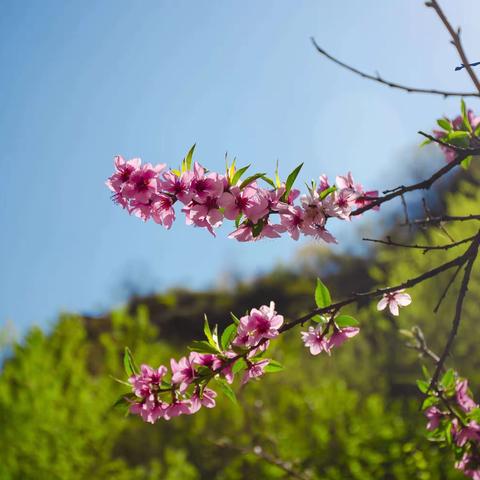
[(143, 182), (148, 381), (465, 402), (176, 408), (203, 185), (162, 210), (206, 399), (315, 340), (340, 335), (394, 300), (259, 324), (434, 415), (467, 433), (179, 186), (236, 201), (319, 232), (123, 171), (183, 372), (245, 232), (469, 466), (313, 208), (150, 410), (254, 370), (207, 360), (292, 219), (323, 184)]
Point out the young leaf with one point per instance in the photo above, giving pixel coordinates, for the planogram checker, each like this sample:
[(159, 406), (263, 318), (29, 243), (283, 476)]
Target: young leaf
[(423, 386), (228, 335), (425, 142), (327, 192), (466, 121), (208, 332), (201, 346), (465, 163), (189, 156), (346, 321), (236, 321), (322, 295), (238, 174), (426, 373), (278, 182), (129, 363), (239, 365), (445, 124), (448, 379), (319, 319), (291, 180), (273, 366), (429, 401), (251, 179), (257, 228), (268, 180), (227, 390)]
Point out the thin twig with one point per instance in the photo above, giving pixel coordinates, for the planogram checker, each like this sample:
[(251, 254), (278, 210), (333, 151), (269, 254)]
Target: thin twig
[(447, 288), (473, 251), (425, 248), (443, 218), (457, 43), (379, 79), (467, 150)]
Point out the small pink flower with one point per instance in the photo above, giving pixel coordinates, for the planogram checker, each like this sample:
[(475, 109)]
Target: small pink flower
[(254, 370), (183, 372), (179, 186), (207, 360), (340, 335), (150, 410), (315, 340), (162, 210), (207, 399), (394, 300), (323, 184), (469, 466), (465, 402), (176, 408), (236, 201), (148, 381), (434, 415), (143, 182), (292, 219), (467, 433)]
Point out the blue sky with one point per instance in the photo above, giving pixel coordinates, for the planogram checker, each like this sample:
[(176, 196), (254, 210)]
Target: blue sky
[(81, 81)]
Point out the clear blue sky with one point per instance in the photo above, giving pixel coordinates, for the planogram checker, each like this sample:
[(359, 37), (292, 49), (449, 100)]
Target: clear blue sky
[(81, 81)]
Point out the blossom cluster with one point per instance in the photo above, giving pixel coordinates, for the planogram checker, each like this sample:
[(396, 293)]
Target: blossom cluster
[(208, 198), (461, 131), (453, 418), (185, 387)]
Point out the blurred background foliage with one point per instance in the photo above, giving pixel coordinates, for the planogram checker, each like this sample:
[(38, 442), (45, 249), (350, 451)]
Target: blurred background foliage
[(353, 415)]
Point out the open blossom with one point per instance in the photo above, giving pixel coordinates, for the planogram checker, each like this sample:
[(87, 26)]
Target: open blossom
[(471, 431), (236, 201), (148, 381), (178, 186), (394, 300), (254, 370), (205, 399), (315, 340), (341, 335), (262, 323), (469, 466), (465, 402), (434, 415), (183, 372)]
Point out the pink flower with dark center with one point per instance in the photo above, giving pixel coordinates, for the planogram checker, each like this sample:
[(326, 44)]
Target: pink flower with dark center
[(340, 335), (319, 232), (176, 408), (323, 184), (162, 210), (179, 186), (434, 415), (292, 219), (143, 182), (203, 186), (245, 233), (394, 300), (464, 400), (471, 432), (183, 372), (148, 381), (314, 214), (207, 360), (236, 201), (315, 340), (254, 370), (123, 172), (150, 410), (205, 399)]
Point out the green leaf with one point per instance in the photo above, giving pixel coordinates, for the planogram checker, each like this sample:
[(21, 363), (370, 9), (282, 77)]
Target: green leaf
[(474, 415), (278, 182), (268, 180), (129, 363), (176, 172), (425, 142), (227, 390), (189, 156), (201, 346), (123, 403), (239, 365), (291, 180), (273, 367), (322, 295), (465, 163), (327, 192), (236, 321), (208, 333), (429, 401), (257, 228), (251, 179), (423, 386), (448, 379), (238, 174), (228, 335), (238, 220), (445, 124), (346, 321), (426, 373), (466, 121), (319, 319)]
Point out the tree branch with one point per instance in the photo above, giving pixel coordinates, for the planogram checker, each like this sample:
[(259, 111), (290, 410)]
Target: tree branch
[(379, 79)]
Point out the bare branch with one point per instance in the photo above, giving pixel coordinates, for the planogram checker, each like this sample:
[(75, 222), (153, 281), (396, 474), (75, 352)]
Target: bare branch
[(447, 288), (455, 41), (443, 218), (379, 79)]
